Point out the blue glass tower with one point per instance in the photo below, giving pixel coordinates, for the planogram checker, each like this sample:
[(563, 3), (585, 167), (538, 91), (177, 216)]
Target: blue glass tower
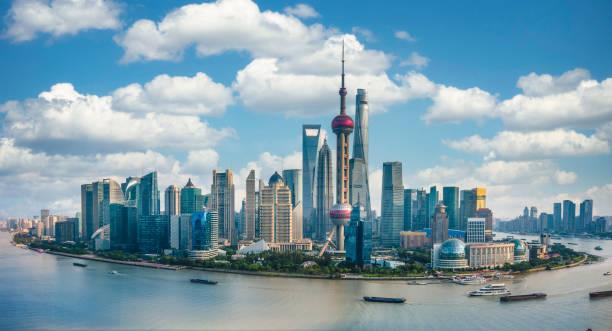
[(358, 237)]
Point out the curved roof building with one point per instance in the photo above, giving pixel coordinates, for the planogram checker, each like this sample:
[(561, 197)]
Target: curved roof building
[(449, 255), (520, 251)]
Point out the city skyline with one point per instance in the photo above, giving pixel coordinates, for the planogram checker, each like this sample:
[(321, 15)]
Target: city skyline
[(44, 163)]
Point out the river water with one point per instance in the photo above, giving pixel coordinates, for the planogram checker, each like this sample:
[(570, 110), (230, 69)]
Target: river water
[(43, 291)]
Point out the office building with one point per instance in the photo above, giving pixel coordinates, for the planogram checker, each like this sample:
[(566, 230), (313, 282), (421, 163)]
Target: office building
[(487, 214), (414, 239), (586, 215), (292, 178), (475, 230), (359, 186), (192, 200), (342, 125), (471, 201), (358, 239), (569, 216), (66, 230), (392, 204), (96, 199), (311, 143), (432, 201), (533, 212), (172, 200), (490, 255), (420, 219), (276, 217), (410, 208), (123, 227), (450, 198), (204, 231), (557, 217), (324, 193), (149, 195), (439, 224), (180, 232), (44, 218), (250, 206), (153, 233), (222, 200)]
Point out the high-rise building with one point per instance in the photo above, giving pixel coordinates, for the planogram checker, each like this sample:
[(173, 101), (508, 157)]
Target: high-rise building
[(359, 186), (123, 226), (471, 201), (526, 212), (192, 200), (358, 240), (222, 195), (180, 232), (172, 200), (420, 220), (475, 230), (586, 215), (392, 204), (44, 218), (432, 201), (342, 125), (86, 211), (439, 224), (558, 223), (250, 207), (324, 193), (96, 199), (66, 230), (204, 230), (487, 214), (569, 216), (533, 212), (149, 195), (292, 178), (410, 205), (153, 233), (311, 143), (276, 217), (450, 198), (481, 197)]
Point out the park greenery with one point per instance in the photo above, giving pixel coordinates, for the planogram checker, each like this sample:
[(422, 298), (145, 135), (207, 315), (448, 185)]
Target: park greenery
[(566, 256)]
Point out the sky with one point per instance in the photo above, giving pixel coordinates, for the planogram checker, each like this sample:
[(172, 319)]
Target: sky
[(515, 97)]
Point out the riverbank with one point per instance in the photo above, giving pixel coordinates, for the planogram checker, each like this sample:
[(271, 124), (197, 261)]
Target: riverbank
[(131, 263)]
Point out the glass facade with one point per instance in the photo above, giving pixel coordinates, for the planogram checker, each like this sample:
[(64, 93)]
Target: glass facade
[(311, 143), (392, 204), (450, 198), (358, 238), (204, 235), (153, 233), (410, 208), (149, 195)]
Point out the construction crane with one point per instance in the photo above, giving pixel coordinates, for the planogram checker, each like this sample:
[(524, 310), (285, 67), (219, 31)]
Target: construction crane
[(327, 242)]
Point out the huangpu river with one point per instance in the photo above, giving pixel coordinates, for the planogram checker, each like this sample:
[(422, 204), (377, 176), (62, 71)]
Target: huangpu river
[(43, 291)]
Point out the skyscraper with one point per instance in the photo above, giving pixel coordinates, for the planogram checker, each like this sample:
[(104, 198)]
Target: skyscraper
[(149, 195), (487, 214), (276, 217), (172, 200), (153, 233), (420, 218), (44, 218), (475, 230), (311, 143), (123, 226), (250, 207), (204, 227), (557, 220), (450, 198), (533, 212), (586, 214), (439, 225), (358, 166), (293, 180), (471, 201), (86, 211), (192, 200), (392, 204), (95, 203), (358, 240), (569, 216), (342, 125), (324, 193), (432, 201), (222, 195), (410, 206)]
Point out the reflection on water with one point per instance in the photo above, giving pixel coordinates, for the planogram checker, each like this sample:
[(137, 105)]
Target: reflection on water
[(46, 291)]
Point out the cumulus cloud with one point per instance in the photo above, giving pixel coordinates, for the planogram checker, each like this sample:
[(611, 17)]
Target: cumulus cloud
[(453, 105), (367, 34), (197, 95), (27, 18), (416, 60), (404, 35), (64, 121), (512, 145), (565, 177), (216, 27), (301, 10), (545, 84)]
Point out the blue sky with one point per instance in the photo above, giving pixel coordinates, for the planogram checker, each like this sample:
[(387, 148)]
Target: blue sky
[(510, 96)]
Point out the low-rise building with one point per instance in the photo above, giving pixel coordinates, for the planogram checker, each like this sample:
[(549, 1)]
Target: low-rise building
[(414, 239), (490, 255)]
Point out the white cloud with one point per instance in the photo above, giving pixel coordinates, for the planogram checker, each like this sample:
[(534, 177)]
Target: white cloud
[(27, 18), (367, 34), (301, 10), (64, 121), (201, 161), (604, 132), (219, 26), (511, 145), (601, 195), (453, 105), (404, 35), (197, 95), (416, 60), (541, 85), (565, 177)]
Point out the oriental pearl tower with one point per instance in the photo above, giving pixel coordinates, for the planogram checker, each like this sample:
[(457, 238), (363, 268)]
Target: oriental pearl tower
[(342, 125)]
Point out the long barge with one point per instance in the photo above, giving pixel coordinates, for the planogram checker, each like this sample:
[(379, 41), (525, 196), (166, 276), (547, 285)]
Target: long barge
[(509, 298), (203, 281), (385, 300), (600, 294), (77, 264)]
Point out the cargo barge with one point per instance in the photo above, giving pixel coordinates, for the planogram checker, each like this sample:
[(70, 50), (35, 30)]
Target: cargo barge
[(509, 298), (385, 300), (79, 264), (203, 281), (600, 294)]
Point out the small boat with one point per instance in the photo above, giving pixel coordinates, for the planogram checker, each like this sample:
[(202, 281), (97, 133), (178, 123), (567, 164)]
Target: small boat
[(469, 280), (76, 264), (509, 298), (572, 244), (598, 248), (203, 281), (491, 289), (607, 273), (600, 294), (417, 283), (114, 272), (385, 300)]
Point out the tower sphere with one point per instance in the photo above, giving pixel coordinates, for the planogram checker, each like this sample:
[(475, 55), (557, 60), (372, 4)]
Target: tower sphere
[(343, 124), (340, 213)]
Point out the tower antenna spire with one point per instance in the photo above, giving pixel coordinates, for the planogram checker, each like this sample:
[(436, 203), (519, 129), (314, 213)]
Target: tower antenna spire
[(342, 63)]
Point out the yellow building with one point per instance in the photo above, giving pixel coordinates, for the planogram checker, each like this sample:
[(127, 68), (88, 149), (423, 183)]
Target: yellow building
[(481, 197)]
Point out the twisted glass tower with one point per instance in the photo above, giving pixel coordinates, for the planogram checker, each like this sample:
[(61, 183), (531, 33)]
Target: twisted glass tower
[(358, 165)]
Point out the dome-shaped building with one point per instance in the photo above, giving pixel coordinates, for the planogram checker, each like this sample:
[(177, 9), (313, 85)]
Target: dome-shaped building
[(520, 251), (276, 178), (449, 255)]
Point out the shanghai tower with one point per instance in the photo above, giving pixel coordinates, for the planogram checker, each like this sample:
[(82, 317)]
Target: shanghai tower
[(342, 125), (358, 165)]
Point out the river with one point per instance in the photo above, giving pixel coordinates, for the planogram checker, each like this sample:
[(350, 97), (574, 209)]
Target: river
[(43, 291)]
